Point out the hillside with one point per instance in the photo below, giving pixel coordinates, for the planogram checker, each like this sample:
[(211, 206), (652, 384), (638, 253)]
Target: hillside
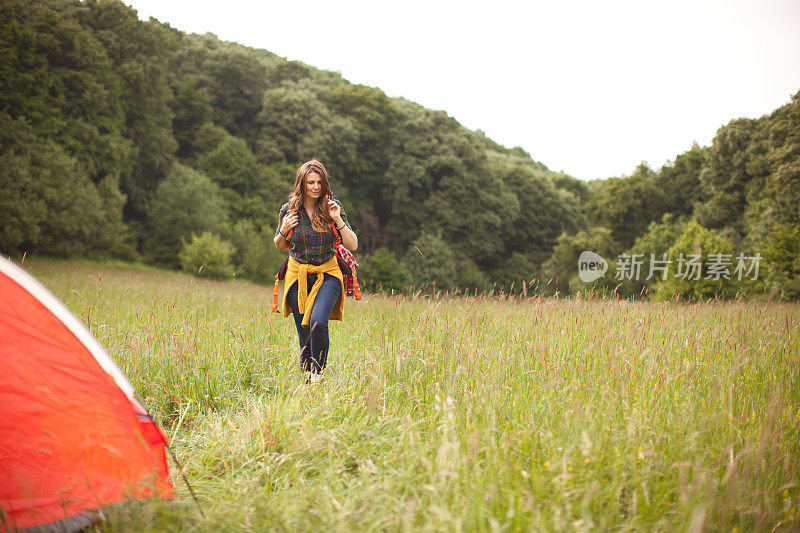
[(131, 139)]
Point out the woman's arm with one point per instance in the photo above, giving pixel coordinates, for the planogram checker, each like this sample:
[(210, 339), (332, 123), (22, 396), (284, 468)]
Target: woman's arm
[(287, 223), (349, 237), (280, 242)]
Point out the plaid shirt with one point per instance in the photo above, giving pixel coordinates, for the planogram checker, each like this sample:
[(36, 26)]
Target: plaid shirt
[(307, 245)]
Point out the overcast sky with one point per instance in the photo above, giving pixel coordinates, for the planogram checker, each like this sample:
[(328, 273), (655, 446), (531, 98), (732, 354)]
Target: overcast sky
[(588, 87)]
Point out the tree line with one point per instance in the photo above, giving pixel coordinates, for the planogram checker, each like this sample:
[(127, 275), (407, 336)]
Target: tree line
[(134, 140), (738, 197)]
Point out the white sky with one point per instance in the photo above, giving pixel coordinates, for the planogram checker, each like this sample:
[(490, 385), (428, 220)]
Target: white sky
[(585, 86)]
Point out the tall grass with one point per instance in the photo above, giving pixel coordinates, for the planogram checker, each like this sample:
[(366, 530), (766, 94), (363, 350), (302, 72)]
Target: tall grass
[(469, 413)]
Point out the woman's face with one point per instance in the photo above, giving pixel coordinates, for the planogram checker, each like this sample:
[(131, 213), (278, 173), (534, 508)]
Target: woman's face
[(313, 185)]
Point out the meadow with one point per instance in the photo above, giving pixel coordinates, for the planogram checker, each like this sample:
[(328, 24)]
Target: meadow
[(455, 414)]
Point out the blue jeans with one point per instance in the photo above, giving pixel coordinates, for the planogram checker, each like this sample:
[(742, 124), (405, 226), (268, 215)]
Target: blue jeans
[(314, 338)]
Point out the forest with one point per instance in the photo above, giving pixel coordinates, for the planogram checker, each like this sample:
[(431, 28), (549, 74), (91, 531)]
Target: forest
[(133, 140)]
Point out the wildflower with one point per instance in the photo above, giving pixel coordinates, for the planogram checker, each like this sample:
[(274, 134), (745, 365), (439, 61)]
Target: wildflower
[(587, 460)]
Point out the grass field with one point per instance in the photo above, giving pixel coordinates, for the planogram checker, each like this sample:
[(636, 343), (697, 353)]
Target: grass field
[(474, 414)]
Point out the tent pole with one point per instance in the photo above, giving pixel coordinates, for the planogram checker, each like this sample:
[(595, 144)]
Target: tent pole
[(174, 458)]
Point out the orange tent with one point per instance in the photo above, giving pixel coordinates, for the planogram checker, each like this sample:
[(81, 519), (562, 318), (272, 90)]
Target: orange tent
[(73, 438)]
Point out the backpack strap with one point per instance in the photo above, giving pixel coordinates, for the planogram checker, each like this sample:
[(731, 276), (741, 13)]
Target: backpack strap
[(275, 296), (275, 291), (356, 288)]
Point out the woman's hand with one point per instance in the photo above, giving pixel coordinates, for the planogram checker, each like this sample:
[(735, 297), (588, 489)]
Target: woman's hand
[(335, 211), (290, 220), (349, 238)]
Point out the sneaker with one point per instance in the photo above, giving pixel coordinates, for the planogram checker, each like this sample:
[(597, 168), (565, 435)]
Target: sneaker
[(316, 379)]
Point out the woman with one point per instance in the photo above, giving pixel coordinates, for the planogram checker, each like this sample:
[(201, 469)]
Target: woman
[(313, 290)]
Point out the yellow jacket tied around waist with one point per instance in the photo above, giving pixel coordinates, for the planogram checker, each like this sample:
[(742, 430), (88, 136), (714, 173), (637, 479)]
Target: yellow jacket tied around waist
[(297, 272)]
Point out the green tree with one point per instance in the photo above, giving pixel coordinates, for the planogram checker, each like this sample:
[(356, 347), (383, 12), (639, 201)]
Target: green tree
[(469, 275), (300, 126), (27, 85), (114, 236), (58, 76), (237, 82), (655, 243), (185, 202), (679, 181), (735, 168), (577, 188), (516, 269), (681, 283), (544, 213), (250, 190), (48, 204), (371, 114), (192, 108), (231, 165), (560, 271), (782, 254), (430, 262), (139, 53), (627, 205), (782, 186), (207, 138), (438, 180)]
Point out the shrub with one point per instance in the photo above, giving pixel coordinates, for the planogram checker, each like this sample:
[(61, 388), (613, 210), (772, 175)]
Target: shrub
[(431, 262), (256, 257), (207, 256), (560, 272), (381, 270), (658, 240), (704, 243)]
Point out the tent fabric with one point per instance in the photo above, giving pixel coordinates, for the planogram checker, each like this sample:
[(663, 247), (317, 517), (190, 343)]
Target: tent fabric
[(73, 438)]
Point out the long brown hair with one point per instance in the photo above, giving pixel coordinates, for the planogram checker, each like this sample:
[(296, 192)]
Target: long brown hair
[(320, 219)]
